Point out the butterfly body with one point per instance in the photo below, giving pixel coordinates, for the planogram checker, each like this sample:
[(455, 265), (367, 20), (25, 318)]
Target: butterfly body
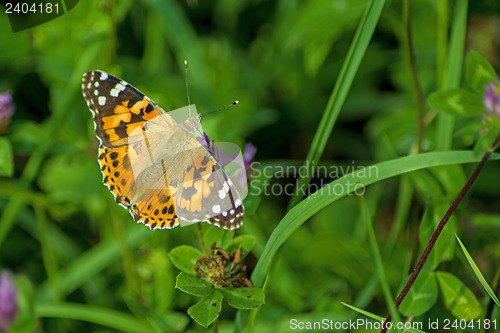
[(153, 163)]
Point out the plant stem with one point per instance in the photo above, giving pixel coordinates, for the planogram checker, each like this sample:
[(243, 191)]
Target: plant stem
[(128, 260), (439, 228), (202, 242), (214, 326), (48, 254), (414, 74)]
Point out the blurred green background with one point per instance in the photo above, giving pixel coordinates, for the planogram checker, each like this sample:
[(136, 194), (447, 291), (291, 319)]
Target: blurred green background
[(60, 228)]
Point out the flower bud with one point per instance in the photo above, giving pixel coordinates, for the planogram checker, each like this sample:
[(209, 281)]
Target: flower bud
[(6, 110), (492, 98), (8, 302)]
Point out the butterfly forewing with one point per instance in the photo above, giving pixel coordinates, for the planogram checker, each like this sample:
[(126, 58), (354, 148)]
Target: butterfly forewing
[(118, 108)]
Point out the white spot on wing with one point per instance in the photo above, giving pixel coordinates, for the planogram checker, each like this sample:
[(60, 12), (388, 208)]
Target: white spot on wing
[(96, 84), (104, 76), (102, 100), (118, 88), (222, 194), (216, 209)]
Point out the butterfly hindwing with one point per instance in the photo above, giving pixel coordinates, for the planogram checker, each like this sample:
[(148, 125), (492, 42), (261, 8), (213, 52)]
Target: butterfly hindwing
[(153, 208), (207, 193)]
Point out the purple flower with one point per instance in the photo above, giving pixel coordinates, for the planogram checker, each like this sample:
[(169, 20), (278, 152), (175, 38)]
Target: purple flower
[(249, 154), (205, 141), (6, 110), (223, 159), (213, 150), (492, 98), (8, 303)]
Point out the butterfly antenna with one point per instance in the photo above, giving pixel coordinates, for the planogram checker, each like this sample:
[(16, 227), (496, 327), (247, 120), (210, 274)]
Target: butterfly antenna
[(228, 106), (187, 89)]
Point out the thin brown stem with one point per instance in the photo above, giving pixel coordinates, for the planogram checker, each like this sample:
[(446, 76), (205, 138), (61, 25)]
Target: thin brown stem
[(439, 228), (202, 242), (414, 74)]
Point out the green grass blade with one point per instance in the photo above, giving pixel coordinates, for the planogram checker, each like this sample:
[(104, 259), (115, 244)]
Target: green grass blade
[(379, 319), (446, 122), (441, 41), (94, 314), (363, 312), (378, 260), (330, 193), (342, 85), (478, 273)]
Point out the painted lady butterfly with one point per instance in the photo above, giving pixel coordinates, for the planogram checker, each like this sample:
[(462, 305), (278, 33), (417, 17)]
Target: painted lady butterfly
[(153, 164)]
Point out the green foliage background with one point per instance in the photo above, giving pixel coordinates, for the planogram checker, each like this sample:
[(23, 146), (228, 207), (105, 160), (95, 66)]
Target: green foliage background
[(80, 259)]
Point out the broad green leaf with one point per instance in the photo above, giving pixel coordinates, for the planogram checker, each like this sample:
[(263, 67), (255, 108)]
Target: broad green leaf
[(247, 242), (457, 297), (426, 184), (184, 257), (57, 179), (479, 72), (458, 102), (487, 137), (193, 285), (478, 273), (156, 279), (422, 295), (218, 236), (207, 309), (6, 158), (244, 298), (452, 178)]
